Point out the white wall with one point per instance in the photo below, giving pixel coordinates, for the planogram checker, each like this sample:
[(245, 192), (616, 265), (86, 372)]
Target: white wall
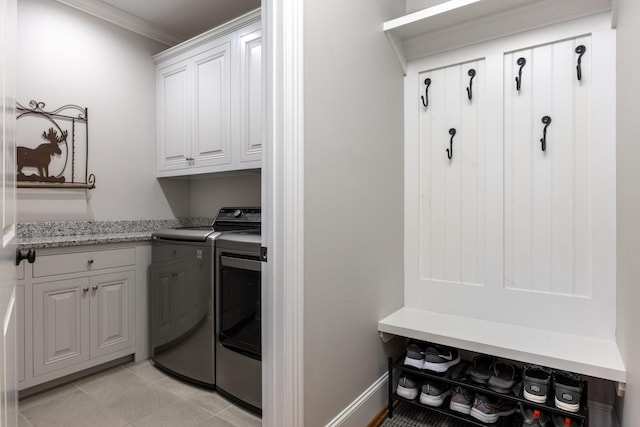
[(353, 213), (68, 57), (628, 209)]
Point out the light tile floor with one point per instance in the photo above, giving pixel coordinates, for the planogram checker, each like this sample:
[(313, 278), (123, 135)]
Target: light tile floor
[(133, 394)]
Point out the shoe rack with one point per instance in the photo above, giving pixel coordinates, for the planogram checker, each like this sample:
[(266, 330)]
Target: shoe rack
[(458, 375)]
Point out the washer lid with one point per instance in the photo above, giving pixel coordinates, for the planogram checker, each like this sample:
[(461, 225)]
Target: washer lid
[(197, 234)]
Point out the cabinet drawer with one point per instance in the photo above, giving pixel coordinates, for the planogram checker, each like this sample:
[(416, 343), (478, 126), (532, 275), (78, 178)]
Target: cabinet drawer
[(48, 265)]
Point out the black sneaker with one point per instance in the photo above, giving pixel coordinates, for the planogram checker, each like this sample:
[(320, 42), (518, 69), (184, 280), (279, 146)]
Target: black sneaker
[(568, 388), (536, 381), (439, 358)]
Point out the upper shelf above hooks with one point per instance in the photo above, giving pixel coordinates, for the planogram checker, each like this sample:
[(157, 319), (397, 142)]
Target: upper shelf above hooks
[(453, 24)]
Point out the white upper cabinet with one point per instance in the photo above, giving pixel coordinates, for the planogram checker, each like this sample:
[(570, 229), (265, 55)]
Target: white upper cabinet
[(209, 101), (250, 94), (510, 195)]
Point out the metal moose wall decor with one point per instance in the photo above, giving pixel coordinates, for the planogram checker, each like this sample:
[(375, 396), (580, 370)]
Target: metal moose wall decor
[(55, 162)]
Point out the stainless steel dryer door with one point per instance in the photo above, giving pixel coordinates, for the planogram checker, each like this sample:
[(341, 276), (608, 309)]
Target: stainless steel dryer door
[(239, 304)]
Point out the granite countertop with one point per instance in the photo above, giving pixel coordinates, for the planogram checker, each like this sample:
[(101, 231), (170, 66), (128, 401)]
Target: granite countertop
[(34, 235)]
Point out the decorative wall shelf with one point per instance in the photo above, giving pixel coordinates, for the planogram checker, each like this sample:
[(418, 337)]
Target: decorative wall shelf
[(56, 163), (458, 23)]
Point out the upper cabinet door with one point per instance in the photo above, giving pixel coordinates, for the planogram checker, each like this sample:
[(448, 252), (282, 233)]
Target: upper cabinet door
[(251, 96), (212, 105), (173, 116)]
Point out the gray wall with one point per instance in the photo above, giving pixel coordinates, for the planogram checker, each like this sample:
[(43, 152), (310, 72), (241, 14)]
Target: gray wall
[(210, 194), (68, 57), (628, 209), (353, 219)]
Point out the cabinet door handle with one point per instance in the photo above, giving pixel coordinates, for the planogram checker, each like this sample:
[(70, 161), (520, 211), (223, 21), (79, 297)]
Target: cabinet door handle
[(94, 288), (521, 61), (471, 73), (90, 261), (580, 50), (546, 120), (452, 132), (425, 98), (29, 255), (85, 290)]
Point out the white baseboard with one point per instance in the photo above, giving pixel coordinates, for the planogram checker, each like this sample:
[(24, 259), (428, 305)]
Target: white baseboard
[(602, 415), (366, 406)]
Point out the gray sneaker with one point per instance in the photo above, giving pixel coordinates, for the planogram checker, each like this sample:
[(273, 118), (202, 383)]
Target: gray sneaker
[(415, 354), (433, 393), (536, 380), (489, 409), (534, 417), (568, 388), (407, 387), (439, 358), (461, 400)]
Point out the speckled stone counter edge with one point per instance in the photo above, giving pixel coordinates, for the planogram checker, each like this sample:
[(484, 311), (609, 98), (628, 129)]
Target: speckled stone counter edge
[(71, 233)]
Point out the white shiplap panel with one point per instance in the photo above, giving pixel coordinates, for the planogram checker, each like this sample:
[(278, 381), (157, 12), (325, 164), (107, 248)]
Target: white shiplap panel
[(472, 189), (452, 171), (452, 194), (518, 146), (431, 173), (425, 171), (561, 150), (583, 157), (546, 193), (540, 179)]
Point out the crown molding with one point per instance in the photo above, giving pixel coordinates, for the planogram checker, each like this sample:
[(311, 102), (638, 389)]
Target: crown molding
[(423, 33), (122, 19), (219, 31)]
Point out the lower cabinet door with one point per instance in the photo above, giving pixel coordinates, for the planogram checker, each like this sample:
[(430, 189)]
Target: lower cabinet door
[(60, 324), (112, 312), (20, 332)]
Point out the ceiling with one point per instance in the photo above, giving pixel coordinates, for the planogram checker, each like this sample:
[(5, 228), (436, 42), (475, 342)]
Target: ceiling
[(184, 19)]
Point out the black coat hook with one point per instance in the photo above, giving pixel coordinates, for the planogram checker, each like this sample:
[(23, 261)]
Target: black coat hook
[(521, 61), (472, 74), (580, 50), (546, 120), (425, 98), (452, 132)]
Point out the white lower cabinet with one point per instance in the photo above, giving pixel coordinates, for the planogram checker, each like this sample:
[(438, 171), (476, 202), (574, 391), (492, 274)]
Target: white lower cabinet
[(60, 324), (76, 310)]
